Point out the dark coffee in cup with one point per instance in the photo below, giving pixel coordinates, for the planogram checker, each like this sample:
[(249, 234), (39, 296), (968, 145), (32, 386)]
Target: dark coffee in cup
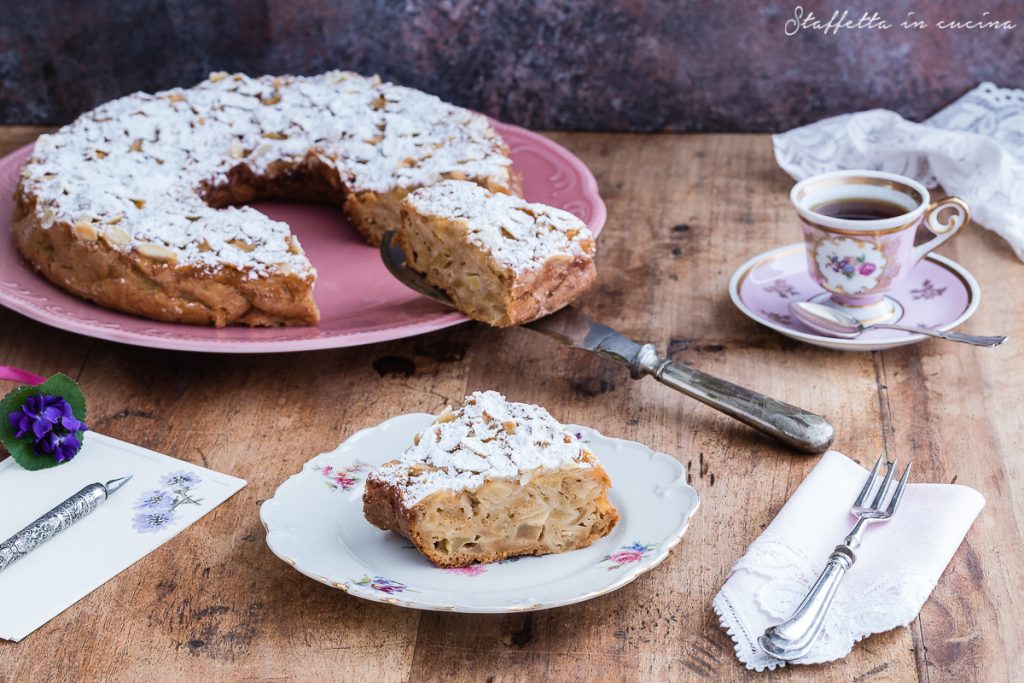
[(859, 209)]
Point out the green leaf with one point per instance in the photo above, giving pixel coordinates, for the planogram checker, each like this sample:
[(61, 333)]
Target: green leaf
[(21, 449)]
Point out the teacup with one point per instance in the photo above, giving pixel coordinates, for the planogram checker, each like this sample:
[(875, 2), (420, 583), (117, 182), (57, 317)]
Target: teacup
[(859, 228)]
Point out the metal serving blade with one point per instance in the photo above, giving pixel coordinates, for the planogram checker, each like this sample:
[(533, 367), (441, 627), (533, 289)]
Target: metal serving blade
[(571, 326), (574, 328)]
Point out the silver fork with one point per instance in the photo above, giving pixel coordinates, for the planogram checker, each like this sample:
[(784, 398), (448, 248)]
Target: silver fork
[(794, 637)]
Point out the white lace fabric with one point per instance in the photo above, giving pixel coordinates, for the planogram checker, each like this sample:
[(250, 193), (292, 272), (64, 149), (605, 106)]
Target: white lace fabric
[(974, 149), (897, 566)]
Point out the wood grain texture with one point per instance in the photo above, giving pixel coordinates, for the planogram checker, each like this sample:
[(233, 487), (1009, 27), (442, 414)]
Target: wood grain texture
[(684, 211), (685, 65)]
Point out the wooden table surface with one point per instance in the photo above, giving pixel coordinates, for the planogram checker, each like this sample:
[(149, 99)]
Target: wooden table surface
[(683, 212)]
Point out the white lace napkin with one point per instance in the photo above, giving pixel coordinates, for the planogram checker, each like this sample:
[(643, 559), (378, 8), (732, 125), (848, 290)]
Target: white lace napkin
[(897, 565), (974, 148)]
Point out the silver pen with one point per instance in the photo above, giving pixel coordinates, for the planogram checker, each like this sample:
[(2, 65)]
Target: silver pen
[(56, 520)]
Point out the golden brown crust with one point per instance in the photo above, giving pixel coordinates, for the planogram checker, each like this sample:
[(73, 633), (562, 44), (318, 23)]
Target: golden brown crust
[(83, 263), (383, 506), (545, 290)]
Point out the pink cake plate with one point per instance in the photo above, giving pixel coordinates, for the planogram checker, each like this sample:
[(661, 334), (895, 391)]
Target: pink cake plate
[(938, 293), (359, 301)]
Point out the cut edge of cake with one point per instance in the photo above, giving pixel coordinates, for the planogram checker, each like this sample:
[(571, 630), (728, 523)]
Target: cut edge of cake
[(503, 260)]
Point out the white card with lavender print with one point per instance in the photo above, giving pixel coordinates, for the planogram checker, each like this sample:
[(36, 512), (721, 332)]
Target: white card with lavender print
[(164, 496)]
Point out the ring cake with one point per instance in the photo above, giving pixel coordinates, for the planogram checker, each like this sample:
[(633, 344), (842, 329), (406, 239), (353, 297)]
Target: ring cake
[(501, 259), (491, 480), (133, 205)]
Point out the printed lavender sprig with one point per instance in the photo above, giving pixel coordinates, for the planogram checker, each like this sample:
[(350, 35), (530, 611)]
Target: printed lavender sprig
[(156, 509)]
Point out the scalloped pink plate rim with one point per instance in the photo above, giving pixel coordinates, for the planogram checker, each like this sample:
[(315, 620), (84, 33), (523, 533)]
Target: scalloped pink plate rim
[(393, 312)]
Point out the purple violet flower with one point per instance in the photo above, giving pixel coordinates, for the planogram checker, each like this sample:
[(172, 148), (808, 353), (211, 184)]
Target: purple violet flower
[(152, 521), (52, 425), (62, 447)]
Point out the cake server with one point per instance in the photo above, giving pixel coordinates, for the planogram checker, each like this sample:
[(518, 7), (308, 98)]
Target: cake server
[(793, 426)]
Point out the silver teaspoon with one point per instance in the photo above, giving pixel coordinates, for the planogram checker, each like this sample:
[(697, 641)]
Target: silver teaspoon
[(834, 323)]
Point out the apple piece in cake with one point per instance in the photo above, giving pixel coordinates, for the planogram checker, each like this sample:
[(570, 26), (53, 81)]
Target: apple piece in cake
[(501, 259), (491, 480)]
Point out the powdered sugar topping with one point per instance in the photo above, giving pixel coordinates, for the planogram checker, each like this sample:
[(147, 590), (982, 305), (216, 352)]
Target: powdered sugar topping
[(487, 438), (517, 234), (136, 169)]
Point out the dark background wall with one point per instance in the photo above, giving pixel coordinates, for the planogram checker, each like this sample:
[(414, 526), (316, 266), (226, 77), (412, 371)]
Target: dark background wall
[(590, 64)]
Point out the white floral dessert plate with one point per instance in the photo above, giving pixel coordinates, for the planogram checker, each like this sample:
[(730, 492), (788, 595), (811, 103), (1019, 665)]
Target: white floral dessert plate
[(315, 523), (937, 293)]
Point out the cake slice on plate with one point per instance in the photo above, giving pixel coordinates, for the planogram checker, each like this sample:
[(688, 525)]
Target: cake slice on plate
[(492, 480), (501, 259)]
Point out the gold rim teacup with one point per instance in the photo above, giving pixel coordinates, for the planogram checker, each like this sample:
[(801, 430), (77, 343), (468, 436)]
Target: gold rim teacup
[(859, 261)]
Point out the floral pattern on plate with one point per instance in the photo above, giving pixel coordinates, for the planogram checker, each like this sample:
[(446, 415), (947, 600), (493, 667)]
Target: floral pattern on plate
[(628, 554), (782, 288), (927, 291), (379, 583), (468, 570), (343, 478)]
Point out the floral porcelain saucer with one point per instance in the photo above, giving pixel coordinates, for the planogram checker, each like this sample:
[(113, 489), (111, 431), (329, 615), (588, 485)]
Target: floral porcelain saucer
[(315, 523), (938, 293)]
